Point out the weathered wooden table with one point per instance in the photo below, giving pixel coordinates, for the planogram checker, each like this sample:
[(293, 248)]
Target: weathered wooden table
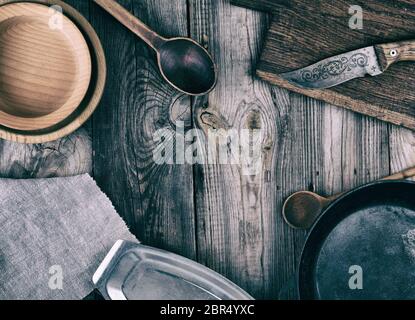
[(211, 213)]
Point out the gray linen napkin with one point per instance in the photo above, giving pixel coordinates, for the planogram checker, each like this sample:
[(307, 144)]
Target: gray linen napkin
[(53, 235)]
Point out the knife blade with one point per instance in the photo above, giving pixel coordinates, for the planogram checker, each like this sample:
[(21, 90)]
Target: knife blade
[(373, 60)]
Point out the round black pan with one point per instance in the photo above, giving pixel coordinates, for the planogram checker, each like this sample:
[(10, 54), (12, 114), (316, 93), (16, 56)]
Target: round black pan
[(373, 228)]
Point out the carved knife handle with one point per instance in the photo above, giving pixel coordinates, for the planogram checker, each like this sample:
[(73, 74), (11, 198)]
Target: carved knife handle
[(393, 52)]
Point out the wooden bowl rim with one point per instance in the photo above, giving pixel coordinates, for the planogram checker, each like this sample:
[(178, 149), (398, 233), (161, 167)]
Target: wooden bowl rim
[(68, 107), (98, 60)]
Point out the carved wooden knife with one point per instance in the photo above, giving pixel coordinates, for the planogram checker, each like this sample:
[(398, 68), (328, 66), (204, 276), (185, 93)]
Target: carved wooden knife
[(332, 71)]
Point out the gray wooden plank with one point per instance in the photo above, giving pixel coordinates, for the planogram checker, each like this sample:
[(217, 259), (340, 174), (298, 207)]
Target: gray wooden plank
[(237, 214), (356, 150), (155, 200), (298, 167), (68, 156)]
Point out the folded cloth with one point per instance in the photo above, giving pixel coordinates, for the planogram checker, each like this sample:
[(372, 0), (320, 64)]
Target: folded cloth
[(54, 233)]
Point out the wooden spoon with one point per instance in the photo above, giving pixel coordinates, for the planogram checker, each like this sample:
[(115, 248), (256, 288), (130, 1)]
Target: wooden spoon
[(183, 63), (302, 208)]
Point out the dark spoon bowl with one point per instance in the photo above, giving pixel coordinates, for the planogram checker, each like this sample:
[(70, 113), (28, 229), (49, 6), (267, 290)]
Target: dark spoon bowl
[(187, 66), (183, 63)]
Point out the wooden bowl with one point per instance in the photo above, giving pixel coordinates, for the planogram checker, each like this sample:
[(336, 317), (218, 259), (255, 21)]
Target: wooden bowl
[(44, 70), (51, 77)]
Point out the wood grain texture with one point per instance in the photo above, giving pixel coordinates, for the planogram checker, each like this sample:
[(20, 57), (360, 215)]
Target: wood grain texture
[(155, 200), (304, 32), (402, 149), (239, 231), (66, 157), (264, 5)]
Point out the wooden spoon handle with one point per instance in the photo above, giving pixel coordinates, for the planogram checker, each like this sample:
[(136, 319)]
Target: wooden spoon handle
[(408, 173), (393, 52), (133, 23)]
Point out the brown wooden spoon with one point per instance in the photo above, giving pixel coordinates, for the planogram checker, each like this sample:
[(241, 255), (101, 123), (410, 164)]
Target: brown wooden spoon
[(302, 208), (183, 63)]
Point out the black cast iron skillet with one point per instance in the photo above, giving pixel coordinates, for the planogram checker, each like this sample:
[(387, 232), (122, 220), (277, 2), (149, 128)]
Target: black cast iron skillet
[(372, 227)]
